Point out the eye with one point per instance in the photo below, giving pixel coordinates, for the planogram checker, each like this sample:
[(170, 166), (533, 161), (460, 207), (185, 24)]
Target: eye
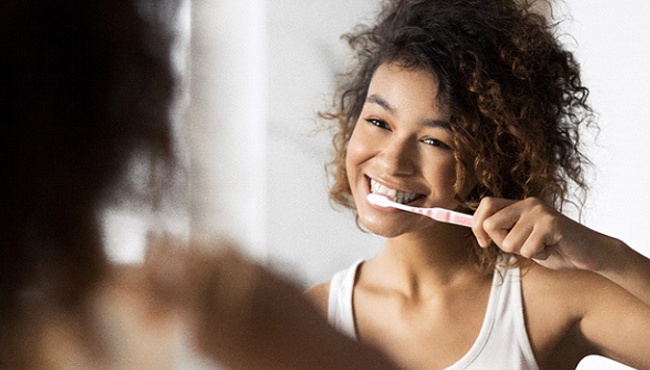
[(378, 123), (436, 143)]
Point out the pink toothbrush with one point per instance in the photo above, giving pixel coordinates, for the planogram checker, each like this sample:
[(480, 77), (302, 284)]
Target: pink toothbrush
[(438, 214)]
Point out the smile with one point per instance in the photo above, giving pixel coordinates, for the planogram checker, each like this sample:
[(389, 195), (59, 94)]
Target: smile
[(396, 195)]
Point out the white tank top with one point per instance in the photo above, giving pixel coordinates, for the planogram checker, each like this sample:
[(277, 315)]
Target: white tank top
[(502, 342)]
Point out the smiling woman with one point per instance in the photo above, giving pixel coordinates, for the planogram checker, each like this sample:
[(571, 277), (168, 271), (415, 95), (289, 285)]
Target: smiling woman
[(402, 147), (487, 82), (460, 104)]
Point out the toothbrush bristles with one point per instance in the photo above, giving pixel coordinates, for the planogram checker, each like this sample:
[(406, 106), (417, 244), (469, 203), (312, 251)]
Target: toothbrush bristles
[(379, 200)]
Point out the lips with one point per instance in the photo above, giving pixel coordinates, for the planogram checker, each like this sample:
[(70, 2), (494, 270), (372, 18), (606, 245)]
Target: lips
[(394, 194)]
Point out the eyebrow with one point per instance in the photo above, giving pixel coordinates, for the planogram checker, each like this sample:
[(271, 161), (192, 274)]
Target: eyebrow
[(438, 123), (381, 102), (435, 123)]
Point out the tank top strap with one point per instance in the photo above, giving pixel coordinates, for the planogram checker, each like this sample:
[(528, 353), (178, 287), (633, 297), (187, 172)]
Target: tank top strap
[(340, 313)]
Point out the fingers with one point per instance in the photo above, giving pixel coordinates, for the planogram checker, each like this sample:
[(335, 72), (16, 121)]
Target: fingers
[(528, 240), (526, 227), (496, 228)]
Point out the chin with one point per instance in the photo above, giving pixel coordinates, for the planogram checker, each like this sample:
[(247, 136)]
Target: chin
[(383, 229)]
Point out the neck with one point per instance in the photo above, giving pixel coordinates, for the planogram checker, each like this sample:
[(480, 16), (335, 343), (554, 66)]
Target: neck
[(424, 262)]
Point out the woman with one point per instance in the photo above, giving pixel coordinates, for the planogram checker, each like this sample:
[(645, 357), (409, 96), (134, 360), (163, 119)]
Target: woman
[(463, 104)]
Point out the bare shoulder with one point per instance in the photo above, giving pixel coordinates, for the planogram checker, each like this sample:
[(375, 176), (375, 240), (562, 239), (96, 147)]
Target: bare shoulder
[(566, 286), (564, 294), (569, 314), (318, 295)]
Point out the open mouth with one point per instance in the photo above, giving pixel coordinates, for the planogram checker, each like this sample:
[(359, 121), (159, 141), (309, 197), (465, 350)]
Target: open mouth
[(396, 195)]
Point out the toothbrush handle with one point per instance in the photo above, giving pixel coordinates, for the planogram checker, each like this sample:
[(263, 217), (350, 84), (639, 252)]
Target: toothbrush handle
[(439, 214), (448, 216), (461, 219)]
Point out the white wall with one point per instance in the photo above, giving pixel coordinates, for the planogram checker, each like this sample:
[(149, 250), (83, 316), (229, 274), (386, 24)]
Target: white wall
[(307, 237), (227, 122)]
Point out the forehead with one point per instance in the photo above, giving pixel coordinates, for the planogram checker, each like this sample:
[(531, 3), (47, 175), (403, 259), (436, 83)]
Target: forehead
[(406, 89)]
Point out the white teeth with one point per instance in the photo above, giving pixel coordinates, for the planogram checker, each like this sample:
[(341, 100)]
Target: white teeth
[(397, 196)]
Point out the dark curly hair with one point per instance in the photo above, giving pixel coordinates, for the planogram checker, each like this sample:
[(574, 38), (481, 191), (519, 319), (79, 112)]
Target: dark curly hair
[(517, 101)]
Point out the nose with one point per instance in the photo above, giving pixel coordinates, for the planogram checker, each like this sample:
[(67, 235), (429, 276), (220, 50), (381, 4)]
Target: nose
[(398, 157)]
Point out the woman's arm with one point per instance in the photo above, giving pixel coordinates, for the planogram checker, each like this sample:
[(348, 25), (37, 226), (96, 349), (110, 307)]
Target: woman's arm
[(627, 268), (615, 323), (533, 230)]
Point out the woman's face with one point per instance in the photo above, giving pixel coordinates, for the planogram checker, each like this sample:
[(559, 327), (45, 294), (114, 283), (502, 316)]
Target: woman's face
[(401, 146)]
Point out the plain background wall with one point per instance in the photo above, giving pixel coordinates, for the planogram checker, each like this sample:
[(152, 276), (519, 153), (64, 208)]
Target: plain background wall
[(307, 236)]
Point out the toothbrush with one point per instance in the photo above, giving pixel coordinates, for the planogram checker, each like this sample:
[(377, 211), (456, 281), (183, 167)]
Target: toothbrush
[(438, 214)]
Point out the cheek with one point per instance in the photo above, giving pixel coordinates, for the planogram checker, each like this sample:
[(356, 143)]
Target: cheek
[(356, 152), (442, 176), (358, 158)]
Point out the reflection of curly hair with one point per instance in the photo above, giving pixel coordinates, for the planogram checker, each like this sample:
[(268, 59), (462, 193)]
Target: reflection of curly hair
[(515, 94)]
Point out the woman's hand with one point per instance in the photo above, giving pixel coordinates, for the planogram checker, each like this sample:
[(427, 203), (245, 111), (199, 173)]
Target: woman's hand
[(536, 231)]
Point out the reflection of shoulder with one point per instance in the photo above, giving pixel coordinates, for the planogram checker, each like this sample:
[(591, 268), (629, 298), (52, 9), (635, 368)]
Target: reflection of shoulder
[(127, 275), (139, 328)]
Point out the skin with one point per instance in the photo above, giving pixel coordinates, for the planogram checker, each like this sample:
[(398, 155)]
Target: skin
[(242, 315), (532, 229), (419, 299)]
